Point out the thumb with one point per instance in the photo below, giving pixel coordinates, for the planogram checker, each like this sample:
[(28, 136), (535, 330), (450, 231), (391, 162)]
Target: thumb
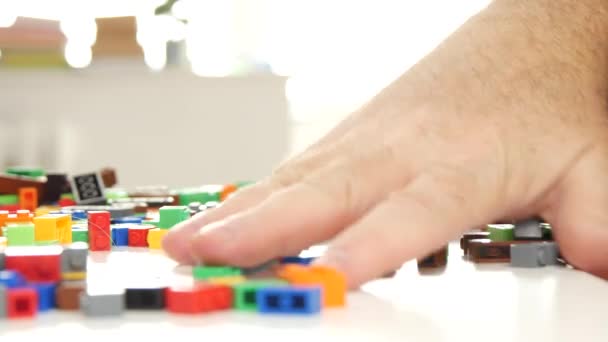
[(579, 212)]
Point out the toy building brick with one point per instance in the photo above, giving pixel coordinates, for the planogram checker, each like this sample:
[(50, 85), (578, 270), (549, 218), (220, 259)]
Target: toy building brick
[(117, 37), (32, 42)]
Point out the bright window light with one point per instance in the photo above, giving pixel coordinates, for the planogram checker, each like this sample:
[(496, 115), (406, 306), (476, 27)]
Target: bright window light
[(7, 20), (78, 55)]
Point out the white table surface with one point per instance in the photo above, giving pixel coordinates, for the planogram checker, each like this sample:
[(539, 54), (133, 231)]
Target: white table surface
[(467, 302)]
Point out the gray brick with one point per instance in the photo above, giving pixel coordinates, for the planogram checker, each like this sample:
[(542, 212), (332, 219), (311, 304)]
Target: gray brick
[(551, 253), (2, 302), (531, 255), (74, 258), (100, 305), (529, 229)]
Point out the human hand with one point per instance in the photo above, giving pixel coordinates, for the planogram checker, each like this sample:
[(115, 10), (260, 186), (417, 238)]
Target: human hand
[(506, 119)]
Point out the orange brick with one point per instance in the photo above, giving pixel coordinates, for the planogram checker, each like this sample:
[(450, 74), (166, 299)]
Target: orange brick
[(333, 282), (64, 228), (28, 198), (3, 219), (227, 190), (22, 216)]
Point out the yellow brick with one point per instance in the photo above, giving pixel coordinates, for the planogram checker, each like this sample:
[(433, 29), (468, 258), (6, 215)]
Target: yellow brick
[(74, 275), (45, 228), (64, 227), (155, 237), (230, 280), (2, 242), (41, 211)]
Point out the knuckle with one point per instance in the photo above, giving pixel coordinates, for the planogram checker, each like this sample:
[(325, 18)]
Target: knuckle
[(446, 189), (285, 175)]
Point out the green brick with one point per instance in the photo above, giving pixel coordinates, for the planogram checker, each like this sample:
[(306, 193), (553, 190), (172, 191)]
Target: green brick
[(547, 231), (25, 171), (80, 235), (46, 243), (172, 215), (67, 196), (245, 292), (501, 232), (9, 199), (19, 234), (204, 194), (114, 194), (208, 272)]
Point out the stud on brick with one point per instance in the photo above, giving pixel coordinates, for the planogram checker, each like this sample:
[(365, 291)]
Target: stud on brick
[(28, 198), (64, 227), (21, 302), (289, 300), (99, 231), (245, 293)]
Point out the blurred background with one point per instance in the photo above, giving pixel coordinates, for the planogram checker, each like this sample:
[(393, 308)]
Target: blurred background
[(191, 92)]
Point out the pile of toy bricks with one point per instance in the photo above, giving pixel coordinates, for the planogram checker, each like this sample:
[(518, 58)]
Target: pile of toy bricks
[(44, 278), (44, 252), (522, 244)]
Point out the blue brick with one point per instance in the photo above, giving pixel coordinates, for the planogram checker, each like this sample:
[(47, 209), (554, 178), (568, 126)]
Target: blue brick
[(78, 215), (46, 295), (120, 235), (128, 219), (297, 260), (289, 300), (11, 279)]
